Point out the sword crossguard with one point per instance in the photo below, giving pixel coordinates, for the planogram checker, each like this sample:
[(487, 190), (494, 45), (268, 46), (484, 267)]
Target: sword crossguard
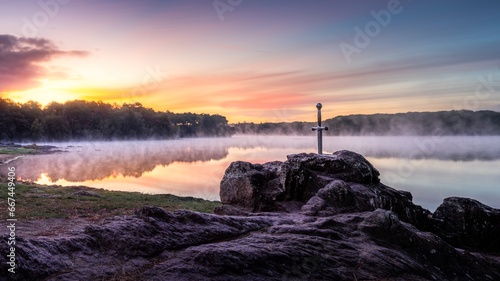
[(319, 128)]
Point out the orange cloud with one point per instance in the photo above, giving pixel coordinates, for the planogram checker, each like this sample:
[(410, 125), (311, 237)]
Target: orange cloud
[(244, 96)]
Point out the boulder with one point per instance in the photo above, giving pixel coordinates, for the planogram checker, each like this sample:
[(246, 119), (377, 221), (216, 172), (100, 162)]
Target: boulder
[(251, 187), (267, 187), (304, 174), (318, 185), (344, 164), (335, 198), (467, 223)]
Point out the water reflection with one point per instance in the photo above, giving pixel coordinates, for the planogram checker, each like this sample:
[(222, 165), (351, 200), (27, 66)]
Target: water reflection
[(431, 169), (101, 160), (430, 180)]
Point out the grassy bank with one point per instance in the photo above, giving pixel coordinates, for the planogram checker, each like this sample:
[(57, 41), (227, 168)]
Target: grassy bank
[(39, 201), (17, 150)]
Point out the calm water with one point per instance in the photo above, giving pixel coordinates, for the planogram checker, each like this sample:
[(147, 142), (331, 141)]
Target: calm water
[(430, 168)]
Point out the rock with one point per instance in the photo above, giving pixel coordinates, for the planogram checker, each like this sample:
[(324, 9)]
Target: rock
[(319, 185), (249, 186), (255, 187), (345, 165), (105, 250), (302, 175), (467, 223), (335, 198), (155, 244)]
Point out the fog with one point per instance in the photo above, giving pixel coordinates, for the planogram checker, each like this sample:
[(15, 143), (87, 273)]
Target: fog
[(446, 123), (185, 166), (98, 160), (82, 161)]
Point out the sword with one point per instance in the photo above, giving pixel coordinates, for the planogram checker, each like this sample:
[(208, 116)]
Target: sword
[(320, 129)]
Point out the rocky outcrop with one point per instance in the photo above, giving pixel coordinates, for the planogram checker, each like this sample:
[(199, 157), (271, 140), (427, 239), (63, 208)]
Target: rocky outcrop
[(467, 223), (120, 246), (350, 228), (319, 185), (255, 187), (158, 245)]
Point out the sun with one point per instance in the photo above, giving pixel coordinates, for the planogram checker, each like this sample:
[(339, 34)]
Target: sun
[(45, 94), (42, 96)]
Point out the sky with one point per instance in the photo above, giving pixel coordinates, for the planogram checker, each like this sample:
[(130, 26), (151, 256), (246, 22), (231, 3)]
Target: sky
[(255, 60)]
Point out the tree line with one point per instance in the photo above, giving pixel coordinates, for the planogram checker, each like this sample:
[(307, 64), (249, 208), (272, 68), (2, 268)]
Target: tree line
[(91, 120), (455, 122)]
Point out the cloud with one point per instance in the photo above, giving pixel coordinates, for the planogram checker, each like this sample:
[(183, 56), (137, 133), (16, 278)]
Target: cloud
[(21, 61)]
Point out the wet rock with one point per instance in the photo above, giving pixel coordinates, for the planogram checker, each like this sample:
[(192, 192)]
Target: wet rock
[(467, 223)]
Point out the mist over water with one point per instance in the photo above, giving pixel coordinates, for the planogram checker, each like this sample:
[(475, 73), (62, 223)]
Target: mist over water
[(432, 168)]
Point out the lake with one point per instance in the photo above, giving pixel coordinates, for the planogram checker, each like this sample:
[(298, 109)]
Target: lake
[(431, 168)]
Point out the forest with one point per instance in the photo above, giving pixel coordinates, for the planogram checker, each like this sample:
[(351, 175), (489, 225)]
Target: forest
[(452, 123), (89, 120)]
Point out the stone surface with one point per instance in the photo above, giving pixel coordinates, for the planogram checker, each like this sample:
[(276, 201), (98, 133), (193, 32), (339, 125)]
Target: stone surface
[(319, 185), (467, 223), (248, 185), (255, 187), (308, 218), (158, 245), (120, 244)]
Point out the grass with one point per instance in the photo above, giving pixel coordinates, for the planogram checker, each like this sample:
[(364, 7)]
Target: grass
[(41, 202), (17, 150)]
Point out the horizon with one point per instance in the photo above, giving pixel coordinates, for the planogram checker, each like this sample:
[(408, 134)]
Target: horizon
[(255, 61), (313, 120)]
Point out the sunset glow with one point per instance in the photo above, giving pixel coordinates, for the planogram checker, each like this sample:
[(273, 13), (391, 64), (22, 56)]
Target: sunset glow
[(262, 61)]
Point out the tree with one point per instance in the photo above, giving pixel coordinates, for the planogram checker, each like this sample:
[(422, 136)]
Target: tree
[(37, 130), (78, 120)]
